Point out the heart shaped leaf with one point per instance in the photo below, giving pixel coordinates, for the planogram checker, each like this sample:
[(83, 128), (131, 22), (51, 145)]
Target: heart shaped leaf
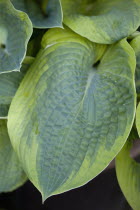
[(11, 173), (71, 115), (13, 43), (102, 21)]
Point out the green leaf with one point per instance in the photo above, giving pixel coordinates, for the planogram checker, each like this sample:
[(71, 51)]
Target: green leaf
[(15, 31), (138, 119), (9, 83), (11, 172), (128, 173), (43, 14), (68, 119), (135, 43), (102, 21)]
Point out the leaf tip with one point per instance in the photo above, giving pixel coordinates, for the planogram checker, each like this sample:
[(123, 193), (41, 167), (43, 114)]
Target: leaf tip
[(45, 196)]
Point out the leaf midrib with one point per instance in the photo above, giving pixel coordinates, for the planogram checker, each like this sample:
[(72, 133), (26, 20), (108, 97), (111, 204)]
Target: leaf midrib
[(91, 75)]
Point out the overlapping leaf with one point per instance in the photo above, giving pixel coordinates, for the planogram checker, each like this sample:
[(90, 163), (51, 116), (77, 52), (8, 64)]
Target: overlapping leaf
[(128, 170), (43, 14), (9, 83), (11, 173), (128, 173), (69, 118), (15, 31), (138, 119), (102, 21), (135, 43)]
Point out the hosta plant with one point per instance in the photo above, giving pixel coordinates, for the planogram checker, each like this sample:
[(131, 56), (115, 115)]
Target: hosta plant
[(69, 89)]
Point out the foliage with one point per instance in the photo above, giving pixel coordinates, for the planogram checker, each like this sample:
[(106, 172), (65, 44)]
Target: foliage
[(69, 87)]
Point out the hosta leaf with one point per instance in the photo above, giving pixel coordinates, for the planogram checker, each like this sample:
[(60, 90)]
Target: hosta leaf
[(138, 119), (135, 43), (11, 173), (15, 31), (43, 14), (9, 83), (128, 174), (102, 21), (69, 119)]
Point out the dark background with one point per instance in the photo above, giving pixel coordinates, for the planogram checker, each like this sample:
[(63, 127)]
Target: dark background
[(102, 193)]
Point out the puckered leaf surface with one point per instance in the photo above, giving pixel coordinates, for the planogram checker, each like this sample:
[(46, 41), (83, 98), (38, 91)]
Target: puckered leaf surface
[(43, 14), (15, 31), (128, 173), (102, 21), (9, 83), (69, 119), (11, 172)]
